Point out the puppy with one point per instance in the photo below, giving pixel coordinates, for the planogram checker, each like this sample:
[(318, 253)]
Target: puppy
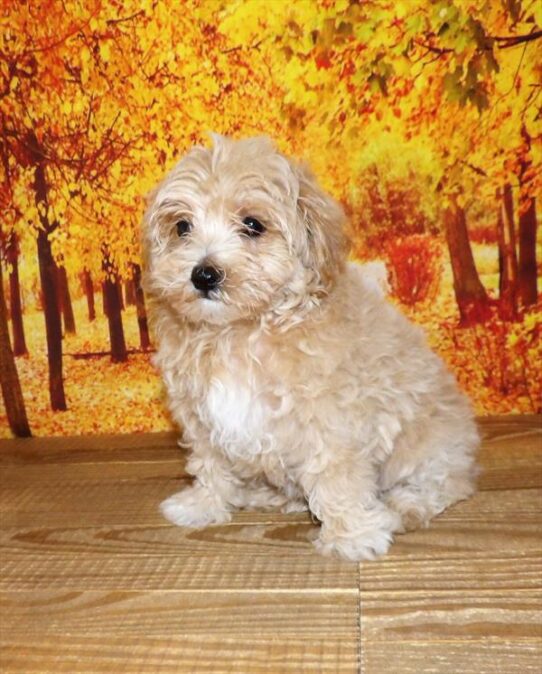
[(295, 383)]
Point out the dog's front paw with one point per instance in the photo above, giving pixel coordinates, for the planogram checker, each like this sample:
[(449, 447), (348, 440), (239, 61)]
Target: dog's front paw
[(195, 508), (354, 548)]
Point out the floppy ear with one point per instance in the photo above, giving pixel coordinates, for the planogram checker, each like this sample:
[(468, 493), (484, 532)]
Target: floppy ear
[(323, 220)]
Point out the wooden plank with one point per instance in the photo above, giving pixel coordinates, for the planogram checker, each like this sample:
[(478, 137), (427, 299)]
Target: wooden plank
[(81, 501), (503, 467), (86, 472), (511, 453), (495, 430), (71, 448), (483, 656), (177, 655), (509, 425), (483, 527), (310, 613), (180, 631), (270, 555), (496, 571), (448, 615)]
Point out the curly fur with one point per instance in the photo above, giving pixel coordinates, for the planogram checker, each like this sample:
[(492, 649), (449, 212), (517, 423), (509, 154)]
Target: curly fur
[(295, 383)]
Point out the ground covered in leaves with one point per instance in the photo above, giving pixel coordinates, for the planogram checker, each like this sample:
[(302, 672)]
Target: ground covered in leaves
[(102, 397)]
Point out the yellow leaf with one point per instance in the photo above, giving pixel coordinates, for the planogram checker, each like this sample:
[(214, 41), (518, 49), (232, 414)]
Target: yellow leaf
[(105, 51)]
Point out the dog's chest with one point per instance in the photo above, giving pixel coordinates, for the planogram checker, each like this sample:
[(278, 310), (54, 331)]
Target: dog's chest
[(233, 405), (239, 407)]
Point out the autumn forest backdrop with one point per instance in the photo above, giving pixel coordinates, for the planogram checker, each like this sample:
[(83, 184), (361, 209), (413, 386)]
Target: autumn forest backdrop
[(424, 118)]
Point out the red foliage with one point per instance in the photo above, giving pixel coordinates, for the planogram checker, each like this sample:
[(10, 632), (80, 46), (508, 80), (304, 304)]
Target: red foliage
[(483, 233), (498, 362), (323, 60), (415, 267)]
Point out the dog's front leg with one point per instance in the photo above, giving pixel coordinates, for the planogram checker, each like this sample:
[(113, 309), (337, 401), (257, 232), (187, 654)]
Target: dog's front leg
[(208, 500), (356, 525)]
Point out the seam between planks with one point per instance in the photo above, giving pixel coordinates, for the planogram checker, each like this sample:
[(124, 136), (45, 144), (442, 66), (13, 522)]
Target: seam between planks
[(214, 591), (361, 653)]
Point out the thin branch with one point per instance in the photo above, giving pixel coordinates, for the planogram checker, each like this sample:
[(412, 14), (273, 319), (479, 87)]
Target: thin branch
[(503, 42), (513, 40), (61, 40), (111, 22), (474, 168), (242, 46), (434, 50)]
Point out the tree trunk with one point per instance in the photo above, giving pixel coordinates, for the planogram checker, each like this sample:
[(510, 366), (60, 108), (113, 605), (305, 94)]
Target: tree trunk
[(104, 300), (527, 271), (508, 264), (142, 323), (470, 294), (114, 315), (53, 327), (12, 257), (119, 291), (66, 301), (89, 292), (48, 272), (9, 378), (129, 292)]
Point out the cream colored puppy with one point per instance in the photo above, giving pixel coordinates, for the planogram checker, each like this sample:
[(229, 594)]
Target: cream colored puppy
[(295, 383)]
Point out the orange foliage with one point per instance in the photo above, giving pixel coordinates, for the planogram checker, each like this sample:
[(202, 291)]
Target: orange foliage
[(497, 363), (401, 109)]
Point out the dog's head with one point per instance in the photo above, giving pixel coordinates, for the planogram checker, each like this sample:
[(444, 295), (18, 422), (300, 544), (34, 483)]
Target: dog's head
[(239, 230)]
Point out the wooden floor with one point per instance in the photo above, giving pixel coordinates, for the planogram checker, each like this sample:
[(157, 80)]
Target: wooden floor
[(94, 580)]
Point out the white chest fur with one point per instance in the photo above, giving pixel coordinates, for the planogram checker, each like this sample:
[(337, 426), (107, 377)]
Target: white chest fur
[(234, 410)]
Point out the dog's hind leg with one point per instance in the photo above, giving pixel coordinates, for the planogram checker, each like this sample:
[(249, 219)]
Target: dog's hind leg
[(418, 502), (433, 486), (432, 467)]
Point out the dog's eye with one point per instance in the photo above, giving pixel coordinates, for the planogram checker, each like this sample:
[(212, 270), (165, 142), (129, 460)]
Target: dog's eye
[(253, 227), (183, 227)]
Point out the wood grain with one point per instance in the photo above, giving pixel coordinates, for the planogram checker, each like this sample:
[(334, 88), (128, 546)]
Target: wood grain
[(177, 631), (94, 580), (511, 453), (429, 656), (253, 556)]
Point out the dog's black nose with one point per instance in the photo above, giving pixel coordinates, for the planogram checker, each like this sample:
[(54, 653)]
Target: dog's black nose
[(206, 278)]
